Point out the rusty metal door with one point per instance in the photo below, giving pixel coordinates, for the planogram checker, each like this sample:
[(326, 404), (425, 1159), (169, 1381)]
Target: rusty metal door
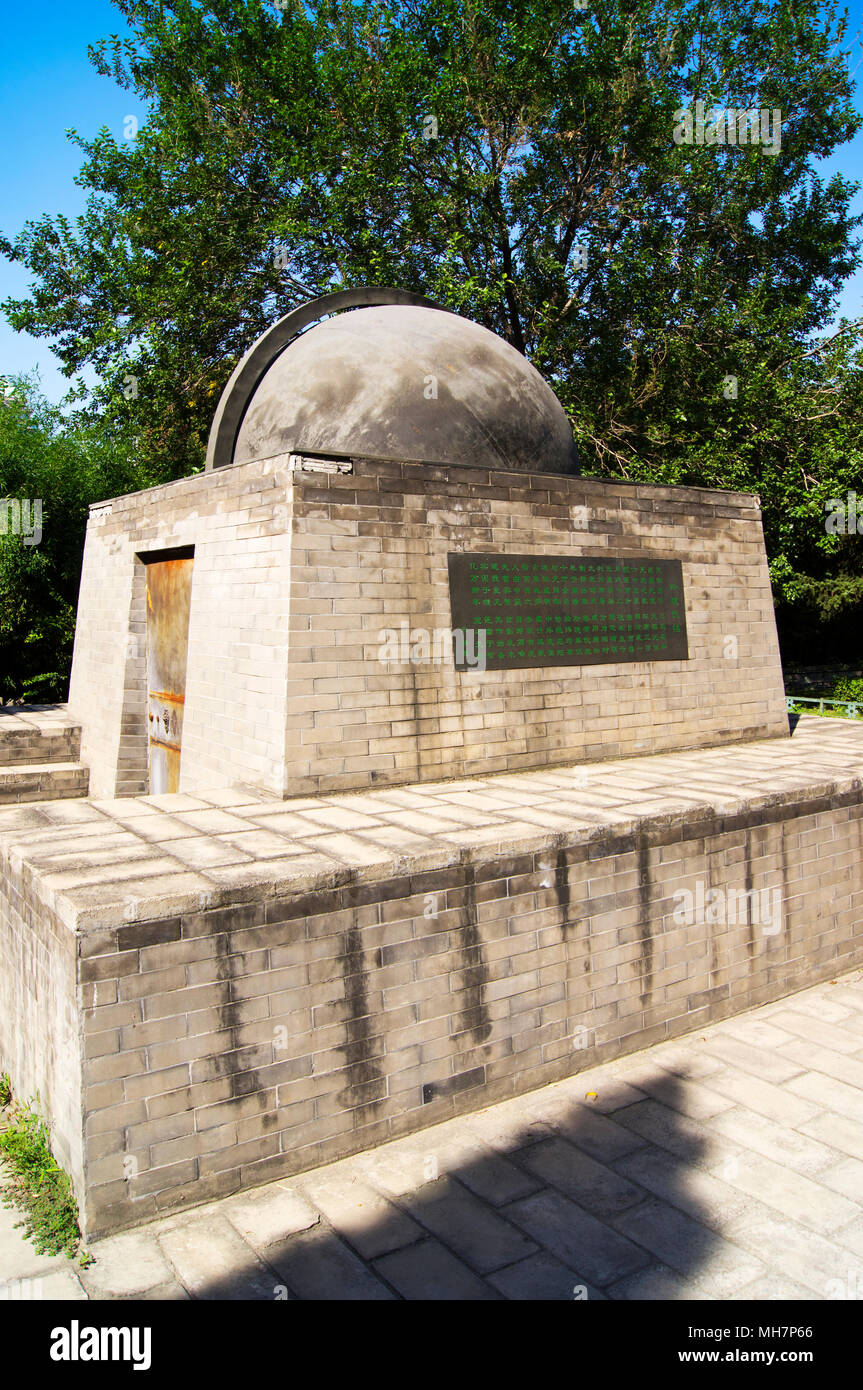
[(169, 594)]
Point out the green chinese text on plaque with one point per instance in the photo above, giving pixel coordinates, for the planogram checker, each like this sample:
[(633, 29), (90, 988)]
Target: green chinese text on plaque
[(555, 611)]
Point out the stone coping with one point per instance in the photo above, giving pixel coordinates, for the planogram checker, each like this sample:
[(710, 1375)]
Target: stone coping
[(40, 719), (100, 864), (610, 490)]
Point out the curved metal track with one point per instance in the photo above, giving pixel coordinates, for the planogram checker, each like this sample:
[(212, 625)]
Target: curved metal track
[(247, 374)]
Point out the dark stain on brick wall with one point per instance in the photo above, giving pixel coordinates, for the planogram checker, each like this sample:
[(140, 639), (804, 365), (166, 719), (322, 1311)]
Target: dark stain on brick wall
[(562, 888), (711, 863), (747, 883), (366, 1086), (473, 1017), (783, 848), (228, 1059), (644, 913)]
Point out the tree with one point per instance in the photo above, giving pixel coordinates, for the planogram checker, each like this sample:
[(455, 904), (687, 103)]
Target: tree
[(50, 473), (523, 162)]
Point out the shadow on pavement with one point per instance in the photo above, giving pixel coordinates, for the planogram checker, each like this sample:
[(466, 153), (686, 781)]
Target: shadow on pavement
[(581, 1204)]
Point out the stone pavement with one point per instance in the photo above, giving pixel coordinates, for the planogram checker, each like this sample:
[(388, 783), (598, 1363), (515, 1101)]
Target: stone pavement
[(725, 1165), (133, 859)]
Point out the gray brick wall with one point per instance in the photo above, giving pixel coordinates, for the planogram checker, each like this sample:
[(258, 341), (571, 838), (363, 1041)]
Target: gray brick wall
[(369, 552), (40, 1025), (239, 522), (296, 575)]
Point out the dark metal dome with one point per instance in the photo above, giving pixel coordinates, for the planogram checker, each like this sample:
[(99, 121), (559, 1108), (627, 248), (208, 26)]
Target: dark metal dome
[(403, 380)]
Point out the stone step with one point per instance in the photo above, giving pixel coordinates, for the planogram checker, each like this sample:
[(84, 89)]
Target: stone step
[(43, 782), (38, 734)]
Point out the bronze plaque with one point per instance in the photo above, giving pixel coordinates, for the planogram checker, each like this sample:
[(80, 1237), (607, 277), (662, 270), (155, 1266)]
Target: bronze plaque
[(539, 610)]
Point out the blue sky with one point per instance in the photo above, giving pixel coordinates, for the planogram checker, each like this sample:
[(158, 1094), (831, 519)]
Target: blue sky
[(47, 84)]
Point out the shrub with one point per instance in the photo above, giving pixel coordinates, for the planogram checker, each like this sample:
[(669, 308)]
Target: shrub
[(38, 1185)]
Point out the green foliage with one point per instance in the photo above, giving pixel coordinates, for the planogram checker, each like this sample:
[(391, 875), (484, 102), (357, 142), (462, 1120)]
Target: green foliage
[(66, 467), (306, 129), (5, 1089), (39, 1186), (847, 688)]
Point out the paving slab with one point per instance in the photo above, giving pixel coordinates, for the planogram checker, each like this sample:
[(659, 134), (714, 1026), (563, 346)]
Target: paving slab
[(684, 1060), (832, 1035), (820, 1265), (657, 1283), (689, 1246), (748, 1055), (701, 1195), (828, 1093), (843, 1135), (774, 1288), (753, 1030), (487, 1174), (317, 1264), (791, 1193), (269, 1214), (576, 1237), (825, 1010), (780, 1103), (664, 1128), (477, 1234), (825, 1061), (128, 1266), (594, 1186), (851, 1238), (542, 1278), (796, 1150), (429, 1271), (681, 1093), (594, 1134), (215, 1264), (846, 1178), (370, 1223)]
